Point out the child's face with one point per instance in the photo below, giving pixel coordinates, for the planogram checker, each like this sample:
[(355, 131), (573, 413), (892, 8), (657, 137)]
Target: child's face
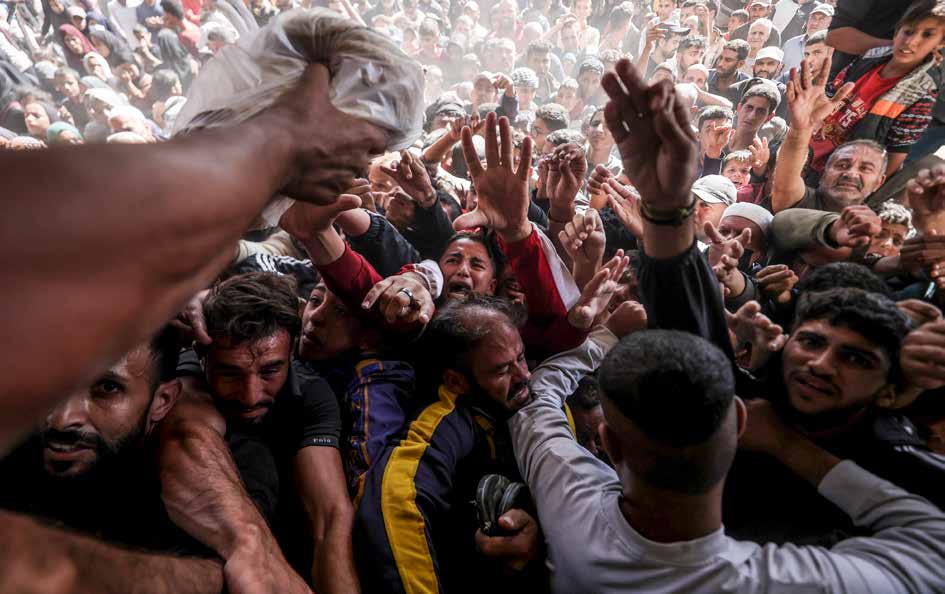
[(737, 172), (913, 43)]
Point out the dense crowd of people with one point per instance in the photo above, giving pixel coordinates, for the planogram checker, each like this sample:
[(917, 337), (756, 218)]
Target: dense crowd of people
[(654, 304)]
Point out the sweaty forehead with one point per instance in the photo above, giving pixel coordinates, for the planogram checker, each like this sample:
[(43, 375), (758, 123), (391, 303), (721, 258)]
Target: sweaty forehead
[(858, 154), (468, 248)]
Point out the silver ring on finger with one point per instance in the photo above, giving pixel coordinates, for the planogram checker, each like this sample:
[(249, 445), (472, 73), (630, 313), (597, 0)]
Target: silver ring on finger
[(409, 295)]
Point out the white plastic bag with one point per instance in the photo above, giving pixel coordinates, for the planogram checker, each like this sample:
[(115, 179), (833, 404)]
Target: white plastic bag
[(371, 78)]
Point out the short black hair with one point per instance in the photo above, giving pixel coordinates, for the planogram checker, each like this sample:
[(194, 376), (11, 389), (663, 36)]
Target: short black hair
[(843, 275), (587, 395), (488, 240), (739, 46), (459, 326), (164, 350), (677, 388), (691, 41), (556, 116), (714, 112), (173, 8), (767, 91), (871, 315), (251, 306), (919, 10), (539, 46)]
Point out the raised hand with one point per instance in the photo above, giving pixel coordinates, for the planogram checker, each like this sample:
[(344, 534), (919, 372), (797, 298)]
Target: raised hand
[(808, 102), (191, 322), (502, 189), (566, 171), (923, 355), (304, 220), (921, 312), (716, 138), (652, 132), (719, 245), (583, 239), (756, 336), (401, 298), (776, 282), (412, 177), (921, 252), (926, 195), (326, 158), (626, 205), (760, 154), (855, 227), (362, 189), (597, 179), (629, 317), (596, 295)]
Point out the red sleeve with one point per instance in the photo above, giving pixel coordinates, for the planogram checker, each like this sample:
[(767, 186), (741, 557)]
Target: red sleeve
[(547, 330), (350, 277)]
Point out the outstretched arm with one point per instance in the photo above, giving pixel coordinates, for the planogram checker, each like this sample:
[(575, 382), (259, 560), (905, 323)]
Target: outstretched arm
[(809, 106), (128, 249), (38, 558)]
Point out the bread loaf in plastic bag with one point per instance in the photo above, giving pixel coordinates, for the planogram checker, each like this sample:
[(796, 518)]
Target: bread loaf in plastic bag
[(371, 78)]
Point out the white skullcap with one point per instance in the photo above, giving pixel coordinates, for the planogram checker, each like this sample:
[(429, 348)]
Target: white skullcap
[(754, 213)]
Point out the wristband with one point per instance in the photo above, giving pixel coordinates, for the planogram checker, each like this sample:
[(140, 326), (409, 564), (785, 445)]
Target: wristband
[(673, 218)]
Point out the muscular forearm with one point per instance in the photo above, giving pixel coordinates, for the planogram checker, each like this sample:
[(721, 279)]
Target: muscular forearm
[(141, 248), (787, 185), (201, 487), (333, 567), (854, 41), (439, 149), (38, 558)]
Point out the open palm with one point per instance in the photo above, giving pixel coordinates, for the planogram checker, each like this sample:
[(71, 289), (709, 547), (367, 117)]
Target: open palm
[(502, 189)]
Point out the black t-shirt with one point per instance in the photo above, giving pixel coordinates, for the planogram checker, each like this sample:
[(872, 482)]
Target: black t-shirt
[(305, 414), (873, 17), (731, 93), (121, 503)]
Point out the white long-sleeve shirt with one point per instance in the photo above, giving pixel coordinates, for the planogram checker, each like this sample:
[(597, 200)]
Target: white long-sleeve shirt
[(594, 549)]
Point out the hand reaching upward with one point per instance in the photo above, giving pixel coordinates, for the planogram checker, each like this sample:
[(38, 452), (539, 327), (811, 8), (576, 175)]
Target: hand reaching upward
[(502, 189), (652, 132)]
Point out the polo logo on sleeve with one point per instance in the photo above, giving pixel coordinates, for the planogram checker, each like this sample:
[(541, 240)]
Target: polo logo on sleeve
[(323, 441)]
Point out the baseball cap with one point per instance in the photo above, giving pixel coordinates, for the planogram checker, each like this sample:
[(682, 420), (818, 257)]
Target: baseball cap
[(762, 2), (823, 8), (770, 52), (76, 11), (715, 189), (753, 212)]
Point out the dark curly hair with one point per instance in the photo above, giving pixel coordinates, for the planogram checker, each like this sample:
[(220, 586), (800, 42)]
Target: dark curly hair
[(248, 307), (871, 315)]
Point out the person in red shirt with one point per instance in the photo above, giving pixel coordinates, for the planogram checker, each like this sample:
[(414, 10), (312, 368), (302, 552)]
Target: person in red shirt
[(892, 96), (175, 19)]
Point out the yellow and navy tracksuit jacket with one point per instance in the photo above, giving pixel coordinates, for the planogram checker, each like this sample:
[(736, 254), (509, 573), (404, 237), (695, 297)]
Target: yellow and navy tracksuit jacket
[(415, 525)]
